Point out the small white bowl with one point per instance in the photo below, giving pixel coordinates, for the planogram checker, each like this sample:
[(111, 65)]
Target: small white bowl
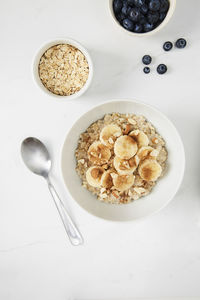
[(164, 22), (38, 56), (165, 188)]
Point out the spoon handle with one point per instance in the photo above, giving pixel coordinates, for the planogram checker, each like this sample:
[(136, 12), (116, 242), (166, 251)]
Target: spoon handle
[(73, 233)]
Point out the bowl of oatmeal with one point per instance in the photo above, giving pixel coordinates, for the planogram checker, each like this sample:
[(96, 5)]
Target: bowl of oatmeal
[(123, 160), (63, 68)]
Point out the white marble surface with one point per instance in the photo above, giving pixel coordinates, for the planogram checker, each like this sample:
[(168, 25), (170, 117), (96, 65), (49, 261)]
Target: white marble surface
[(158, 257)]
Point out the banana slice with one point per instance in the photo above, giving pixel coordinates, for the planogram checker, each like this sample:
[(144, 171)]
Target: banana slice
[(94, 175), (149, 170), (124, 166), (125, 147), (98, 153), (106, 179), (109, 134), (122, 182), (140, 137), (147, 152)]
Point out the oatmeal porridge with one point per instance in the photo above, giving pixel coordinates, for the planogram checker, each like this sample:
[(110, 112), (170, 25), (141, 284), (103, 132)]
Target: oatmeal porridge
[(120, 158)]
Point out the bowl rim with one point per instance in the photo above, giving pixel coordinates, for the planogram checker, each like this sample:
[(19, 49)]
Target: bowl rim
[(132, 101), (144, 34), (48, 44)]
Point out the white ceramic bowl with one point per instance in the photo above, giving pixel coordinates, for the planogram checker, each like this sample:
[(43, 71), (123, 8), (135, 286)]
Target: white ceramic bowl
[(164, 22), (165, 188), (41, 51)]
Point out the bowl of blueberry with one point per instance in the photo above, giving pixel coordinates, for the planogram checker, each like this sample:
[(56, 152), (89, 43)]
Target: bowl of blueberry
[(141, 17)]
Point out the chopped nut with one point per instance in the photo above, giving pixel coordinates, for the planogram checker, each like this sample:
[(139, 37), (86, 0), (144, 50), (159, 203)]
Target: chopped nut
[(95, 154), (135, 196), (134, 133), (139, 190), (104, 195), (81, 161), (137, 160), (154, 153), (115, 194), (127, 129), (130, 193), (113, 175), (122, 167), (110, 140), (131, 121), (105, 166), (125, 163), (154, 141), (117, 134)]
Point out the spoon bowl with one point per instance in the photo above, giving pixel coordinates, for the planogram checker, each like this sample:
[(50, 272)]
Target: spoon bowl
[(36, 156)]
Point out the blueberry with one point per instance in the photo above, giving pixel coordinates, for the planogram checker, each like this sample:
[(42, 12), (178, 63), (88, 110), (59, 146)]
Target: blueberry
[(164, 5), (134, 14), (138, 28), (128, 24), (161, 69), (120, 17), (146, 70), (167, 46), (153, 17), (181, 43), (142, 20), (154, 5), (144, 9), (148, 27), (162, 16), (117, 6), (139, 3), (146, 59), (131, 2), (126, 9)]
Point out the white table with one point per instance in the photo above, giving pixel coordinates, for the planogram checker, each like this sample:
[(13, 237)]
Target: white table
[(157, 257)]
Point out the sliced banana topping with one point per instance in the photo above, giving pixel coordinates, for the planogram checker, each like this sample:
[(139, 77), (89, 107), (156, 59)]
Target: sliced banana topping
[(94, 175), (122, 182), (98, 153), (124, 166), (147, 152), (125, 147), (106, 179), (109, 134), (150, 170), (140, 137)]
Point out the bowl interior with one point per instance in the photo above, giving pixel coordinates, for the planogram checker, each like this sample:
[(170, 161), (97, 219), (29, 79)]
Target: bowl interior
[(165, 188), (164, 22), (50, 44)]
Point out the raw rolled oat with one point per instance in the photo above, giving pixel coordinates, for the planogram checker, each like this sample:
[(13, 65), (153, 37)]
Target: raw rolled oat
[(63, 69)]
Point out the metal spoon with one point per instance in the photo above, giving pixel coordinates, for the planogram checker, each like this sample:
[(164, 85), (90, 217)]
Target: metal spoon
[(36, 157)]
